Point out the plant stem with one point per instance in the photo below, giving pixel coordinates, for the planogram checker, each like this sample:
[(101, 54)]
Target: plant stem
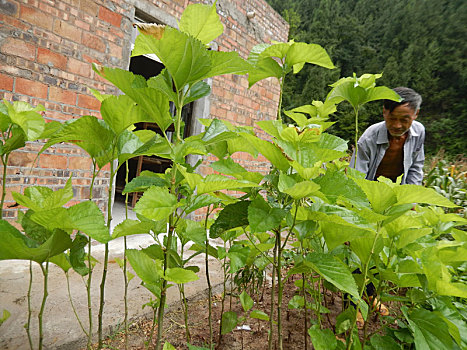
[(305, 331), (28, 324), (45, 272), (273, 282), (4, 164), (224, 284), (90, 267), (72, 305), (356, 135), (365, 273), (125, 275), (280, 288), (281, 89), (208, 279), (106, 258), (153, 326)]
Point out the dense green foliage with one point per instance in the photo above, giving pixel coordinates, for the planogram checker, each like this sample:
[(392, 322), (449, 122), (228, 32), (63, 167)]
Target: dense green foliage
[(420, 44)]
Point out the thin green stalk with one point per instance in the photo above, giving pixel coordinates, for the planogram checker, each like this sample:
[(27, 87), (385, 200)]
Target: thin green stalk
[(184, 304), (280, 288), (153, 326), (160, 313), (106, 258), (365, 273), (273, 282), (125, 275), (28, 324), (224, 285), (45, 272), (73, 305), (281, 82), (208, 279), (90, 267), (356, 134), (4, 164), (305, 330)]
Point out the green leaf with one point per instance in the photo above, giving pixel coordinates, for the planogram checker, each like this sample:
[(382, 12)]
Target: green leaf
[(119, 112), (217, 131), (14, 245), (156, 203), (90, 134), (88, 218), (185, 57), (420, 194), (153, 101), (247, 302), (308, 53), (322, 339), (380, 342), (27, 118), (17, 140), (380, 195), (238, 256), (334, 184), (180, 276), (228, 322), (201, 22), (302, 189), (168, 346), (78, 254), (197, 91), (264, 68), (334, 271), (430, 331), (262, 217), (233, 215), (214, 182), (5, 316), (131, 227), (143, 182), (227, 63), (146, 268), (270, 151), (260, 315), (227, 166), (200, 202)]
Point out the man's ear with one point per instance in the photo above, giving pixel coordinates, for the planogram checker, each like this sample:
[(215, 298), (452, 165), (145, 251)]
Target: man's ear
[(416, 114), (385, 112)]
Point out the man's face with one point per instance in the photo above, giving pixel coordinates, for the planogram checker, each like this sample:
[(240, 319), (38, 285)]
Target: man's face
[(398, 121)]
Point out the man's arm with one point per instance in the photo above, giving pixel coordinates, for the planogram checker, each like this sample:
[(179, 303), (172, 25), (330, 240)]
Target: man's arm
[(415, 172)]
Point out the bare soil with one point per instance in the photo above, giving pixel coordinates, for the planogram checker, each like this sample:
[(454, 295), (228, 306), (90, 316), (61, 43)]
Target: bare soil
[(256, 337)]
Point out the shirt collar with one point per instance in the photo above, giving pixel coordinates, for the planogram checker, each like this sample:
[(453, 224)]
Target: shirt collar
[(383, 134)]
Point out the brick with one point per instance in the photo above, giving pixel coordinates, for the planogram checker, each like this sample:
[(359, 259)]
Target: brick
[(67, 30), (17, 47), (36, 17), (82, 163), (6, 82), (78, 67), (88, 6), (31, 88), (51, 58), (93, 42), (110, 17), (21, 159), (115, 50), (89, 102), (52, 161), (61, 95)]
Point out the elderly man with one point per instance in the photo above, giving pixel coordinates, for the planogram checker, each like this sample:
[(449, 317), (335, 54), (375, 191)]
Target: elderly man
[(394, 147)]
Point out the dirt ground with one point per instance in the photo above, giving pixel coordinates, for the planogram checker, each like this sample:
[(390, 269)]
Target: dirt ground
[(255, 338)]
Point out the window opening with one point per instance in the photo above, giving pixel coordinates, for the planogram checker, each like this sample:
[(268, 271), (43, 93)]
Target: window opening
[(148, 66)]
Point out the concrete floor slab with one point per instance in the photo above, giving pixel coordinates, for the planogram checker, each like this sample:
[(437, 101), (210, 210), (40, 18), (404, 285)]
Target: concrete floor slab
[(61, 329)]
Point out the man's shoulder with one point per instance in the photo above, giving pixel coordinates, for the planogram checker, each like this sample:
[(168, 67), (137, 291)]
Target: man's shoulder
[(374, 130), (417, 126)]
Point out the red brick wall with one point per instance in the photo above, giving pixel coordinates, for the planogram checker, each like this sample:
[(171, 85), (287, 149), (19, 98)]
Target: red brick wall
[(46, 51)]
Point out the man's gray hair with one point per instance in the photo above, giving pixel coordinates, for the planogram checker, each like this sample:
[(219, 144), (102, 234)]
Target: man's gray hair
[(409, 96)]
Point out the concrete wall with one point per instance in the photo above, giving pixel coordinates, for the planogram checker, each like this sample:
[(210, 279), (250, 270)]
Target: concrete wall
[(46, 51)]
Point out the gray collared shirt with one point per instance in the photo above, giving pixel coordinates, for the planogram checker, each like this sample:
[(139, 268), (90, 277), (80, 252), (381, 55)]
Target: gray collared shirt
[(373, 144)]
